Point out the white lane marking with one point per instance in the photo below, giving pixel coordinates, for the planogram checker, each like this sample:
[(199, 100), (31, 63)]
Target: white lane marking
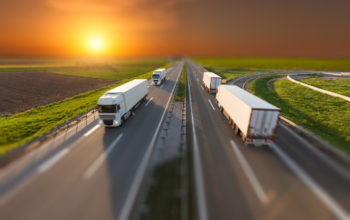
[(141, 170), (202, 87), (52, 161), (98, 162), (149, 101), (311, 184), (211, 104), (336, 167), (253, 180), (198, 170), (91, 130)]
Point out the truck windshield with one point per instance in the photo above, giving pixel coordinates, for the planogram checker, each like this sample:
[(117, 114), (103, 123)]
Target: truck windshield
[(155, 76), (107, 108)]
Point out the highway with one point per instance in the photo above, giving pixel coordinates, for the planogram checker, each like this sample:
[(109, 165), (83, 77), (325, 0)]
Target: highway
[(288, 180), (97, 173), (95, 176)]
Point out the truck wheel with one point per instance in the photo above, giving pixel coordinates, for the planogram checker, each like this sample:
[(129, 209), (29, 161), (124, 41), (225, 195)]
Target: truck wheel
[(236, 130), (233, 125)]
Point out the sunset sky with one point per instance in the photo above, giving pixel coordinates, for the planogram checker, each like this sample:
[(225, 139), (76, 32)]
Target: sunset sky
[(306, 28)]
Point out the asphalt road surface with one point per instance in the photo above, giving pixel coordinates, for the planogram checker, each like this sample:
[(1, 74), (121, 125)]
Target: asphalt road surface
[(96, 176), (288, 180)]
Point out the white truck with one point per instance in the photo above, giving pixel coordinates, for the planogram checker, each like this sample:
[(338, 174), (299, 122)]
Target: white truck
[(252, 118), (115, 106), (158, 76), (211, 81)]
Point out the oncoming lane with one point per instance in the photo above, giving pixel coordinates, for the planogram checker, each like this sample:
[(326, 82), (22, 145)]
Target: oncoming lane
[(93, 179)]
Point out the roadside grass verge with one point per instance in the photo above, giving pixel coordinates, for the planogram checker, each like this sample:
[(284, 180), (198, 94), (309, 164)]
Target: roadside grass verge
[(180, 92), (19, 128), (276, 63), (326, 116), (340, 86), (164, 201)]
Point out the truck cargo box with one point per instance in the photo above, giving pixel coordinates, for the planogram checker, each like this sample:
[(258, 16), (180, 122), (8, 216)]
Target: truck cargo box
[(211, 81), (115, 105), (249, 115), (132, 92)]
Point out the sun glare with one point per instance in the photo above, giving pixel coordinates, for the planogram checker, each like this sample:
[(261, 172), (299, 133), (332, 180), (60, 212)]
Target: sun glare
[(95, 44)]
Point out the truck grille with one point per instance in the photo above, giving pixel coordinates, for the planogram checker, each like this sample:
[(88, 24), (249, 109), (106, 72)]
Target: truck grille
[(107, 117)]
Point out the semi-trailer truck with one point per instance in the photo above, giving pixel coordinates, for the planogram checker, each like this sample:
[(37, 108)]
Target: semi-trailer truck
[(115, 106), (254, 119), (158, 76), (211, 81)]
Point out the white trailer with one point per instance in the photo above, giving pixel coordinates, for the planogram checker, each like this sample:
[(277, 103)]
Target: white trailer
[(115, 106), (158, 76), (254, 119), (211, 81)]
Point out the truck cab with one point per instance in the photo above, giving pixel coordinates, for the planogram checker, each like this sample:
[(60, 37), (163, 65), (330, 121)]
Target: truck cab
[(111, 109), (158, 76)]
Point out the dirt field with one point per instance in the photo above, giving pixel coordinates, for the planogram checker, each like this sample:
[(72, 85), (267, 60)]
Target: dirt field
[(20, 91)]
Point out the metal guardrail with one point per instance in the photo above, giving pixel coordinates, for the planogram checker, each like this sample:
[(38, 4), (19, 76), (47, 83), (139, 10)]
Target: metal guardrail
[(64, 127)]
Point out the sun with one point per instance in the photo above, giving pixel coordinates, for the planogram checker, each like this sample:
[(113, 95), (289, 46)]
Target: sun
[(95, 44)]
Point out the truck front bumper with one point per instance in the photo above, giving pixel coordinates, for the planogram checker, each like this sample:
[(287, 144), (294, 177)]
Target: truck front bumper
[(110, 123)]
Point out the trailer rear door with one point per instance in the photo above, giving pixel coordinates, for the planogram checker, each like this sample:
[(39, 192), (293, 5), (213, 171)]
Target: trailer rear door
[(215, 82), (263, 122)]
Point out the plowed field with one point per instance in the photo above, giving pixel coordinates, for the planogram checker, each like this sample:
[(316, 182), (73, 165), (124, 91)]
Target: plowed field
[(20, 91)]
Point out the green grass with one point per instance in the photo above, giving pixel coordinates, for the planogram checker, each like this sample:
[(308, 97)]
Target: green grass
[(180, 93), (322, 114), (110, 70), (276, 63), (164, 198), (340, 86), (229, 73), (22, 127)]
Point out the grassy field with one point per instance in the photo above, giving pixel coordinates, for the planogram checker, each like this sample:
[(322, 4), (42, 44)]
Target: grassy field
[(111, 70), (326, 116), (229, 73), (276, 63), (180, 93), (231, 68), (340, 86), (22, 127)]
